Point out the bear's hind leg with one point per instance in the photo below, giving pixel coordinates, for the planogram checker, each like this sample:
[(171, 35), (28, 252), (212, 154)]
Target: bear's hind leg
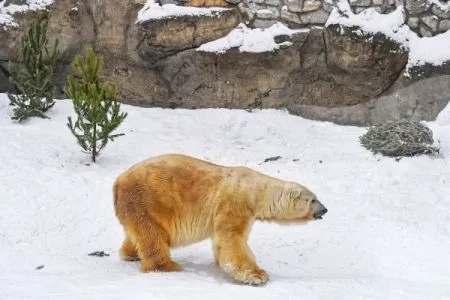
[(152, 245), (232, 252)]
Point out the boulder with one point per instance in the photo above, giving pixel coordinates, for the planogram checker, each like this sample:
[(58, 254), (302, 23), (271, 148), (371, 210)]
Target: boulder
[(365, 63), (421, 100), (233, 79), (161, 38), (311, 83), (137, 85), (72, 24)]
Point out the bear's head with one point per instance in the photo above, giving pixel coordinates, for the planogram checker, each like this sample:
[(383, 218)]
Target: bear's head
[(299, 205)]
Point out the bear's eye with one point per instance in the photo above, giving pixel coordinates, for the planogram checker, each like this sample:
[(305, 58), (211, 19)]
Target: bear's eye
[(294, 194)]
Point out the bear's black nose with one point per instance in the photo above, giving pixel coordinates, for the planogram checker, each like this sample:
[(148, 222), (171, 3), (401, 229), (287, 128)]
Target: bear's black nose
[(320, 213)]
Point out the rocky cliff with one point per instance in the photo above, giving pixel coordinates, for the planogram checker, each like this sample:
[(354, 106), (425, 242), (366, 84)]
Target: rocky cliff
[(334, 72)]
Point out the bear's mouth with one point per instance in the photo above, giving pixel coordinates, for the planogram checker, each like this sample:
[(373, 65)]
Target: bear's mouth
[(319, 214)]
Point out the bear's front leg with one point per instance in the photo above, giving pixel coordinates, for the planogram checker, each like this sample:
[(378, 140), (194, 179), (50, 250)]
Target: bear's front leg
[(232, 252)]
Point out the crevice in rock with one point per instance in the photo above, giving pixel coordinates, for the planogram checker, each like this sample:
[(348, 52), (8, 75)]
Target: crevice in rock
[(325, 47), (90, 13), (5, 71), (194, 34), (126, 33)]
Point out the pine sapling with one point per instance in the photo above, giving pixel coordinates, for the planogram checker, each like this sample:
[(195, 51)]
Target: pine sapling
[(34, 78), (95, 104)]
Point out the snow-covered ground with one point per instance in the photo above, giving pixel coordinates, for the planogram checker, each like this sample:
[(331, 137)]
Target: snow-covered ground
[(386, 235), (7, 11)]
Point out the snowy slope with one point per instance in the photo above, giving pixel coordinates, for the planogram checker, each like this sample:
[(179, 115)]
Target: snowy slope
[(386, 235)]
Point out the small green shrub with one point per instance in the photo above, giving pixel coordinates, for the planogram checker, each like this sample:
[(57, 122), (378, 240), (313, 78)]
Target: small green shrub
[(34, 78), (399, 138), (95, 103)]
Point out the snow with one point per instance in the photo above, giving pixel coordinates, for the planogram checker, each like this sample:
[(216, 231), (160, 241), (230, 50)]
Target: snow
[(250, 40), (422, 50), (386, 235), (153, 11), (443, 5), (7, 12)]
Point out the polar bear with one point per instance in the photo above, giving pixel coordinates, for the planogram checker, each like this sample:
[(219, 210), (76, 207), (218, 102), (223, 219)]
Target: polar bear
[(174, 200)]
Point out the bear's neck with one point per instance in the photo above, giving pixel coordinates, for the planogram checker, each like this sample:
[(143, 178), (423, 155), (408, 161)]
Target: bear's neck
[(269, 206)]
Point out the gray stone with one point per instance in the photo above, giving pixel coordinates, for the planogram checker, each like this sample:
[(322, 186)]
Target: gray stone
[(425, 31), (163, 37), (247, 13), (413, 22), (5, 84), (431, 21), (378, 2), (290, 17), (359, 9), (273, 2), (416, 6), (144, 87), (264, 14), (327, 6), (367, 64), (295, 5), (444, 25), (311, 5), (312, 84), (275, 11), (364, 3), (176, 2), (314, 57), (255, 6), (258, 1), (420, 101), (315, 17), (439, 12), (258, 23), (233, 79)]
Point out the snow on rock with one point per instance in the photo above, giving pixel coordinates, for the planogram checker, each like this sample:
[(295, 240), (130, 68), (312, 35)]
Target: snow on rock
[(386, 234), (7, 12), (431, 50), (154, 11), (250, 40), (443, 5)]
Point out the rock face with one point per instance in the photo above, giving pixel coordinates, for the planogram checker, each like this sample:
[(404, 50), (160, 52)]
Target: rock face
[(229, 80), (321, 73), (367, 64), (161, 38), (422, 100)]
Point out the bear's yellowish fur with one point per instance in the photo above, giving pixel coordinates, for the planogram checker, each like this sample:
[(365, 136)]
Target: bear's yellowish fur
[(174, 200), (206, 3)]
